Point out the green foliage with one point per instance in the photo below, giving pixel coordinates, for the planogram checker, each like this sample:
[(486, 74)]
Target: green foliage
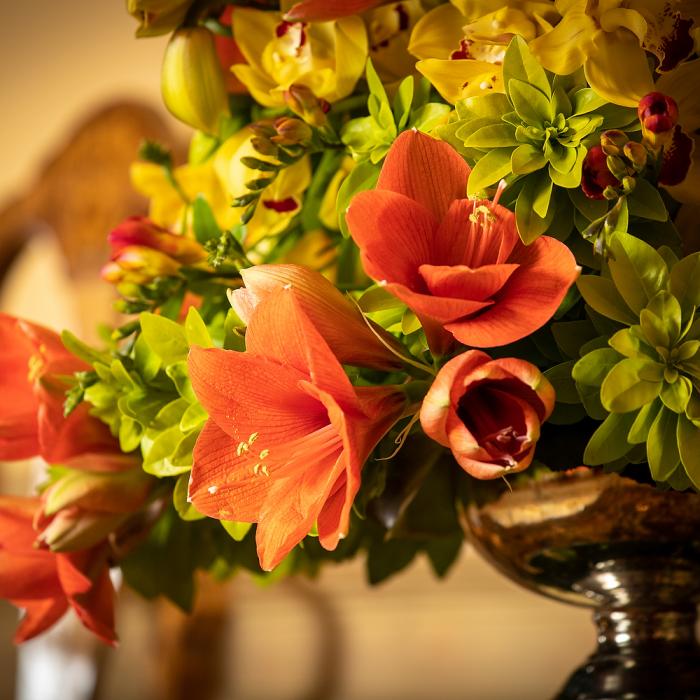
[(369, 138), (535, 136), (645, 383)]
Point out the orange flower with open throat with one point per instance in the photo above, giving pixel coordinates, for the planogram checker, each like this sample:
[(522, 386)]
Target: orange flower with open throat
[(458, 263), (287, 434)]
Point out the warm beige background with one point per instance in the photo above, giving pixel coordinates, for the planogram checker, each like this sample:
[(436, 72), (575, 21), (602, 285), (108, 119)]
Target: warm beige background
[(473, 636)]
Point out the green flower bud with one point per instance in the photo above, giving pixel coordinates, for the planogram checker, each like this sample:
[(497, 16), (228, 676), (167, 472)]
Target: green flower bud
[(192, 81)]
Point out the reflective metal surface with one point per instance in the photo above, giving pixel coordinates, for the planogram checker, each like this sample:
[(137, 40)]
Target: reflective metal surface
[(628, 550)]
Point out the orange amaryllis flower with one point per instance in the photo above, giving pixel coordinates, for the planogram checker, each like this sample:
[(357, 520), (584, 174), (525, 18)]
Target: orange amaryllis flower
[(326, 10), (287, 434), (339, 322), (45, 584), (488, 412), (458, 263), (34, 369)]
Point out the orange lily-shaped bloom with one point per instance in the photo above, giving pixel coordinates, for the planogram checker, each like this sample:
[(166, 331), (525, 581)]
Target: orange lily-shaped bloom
[(326, 10), (339, 322), (287, 434), (34, 368), (458, 263), (45, 584)]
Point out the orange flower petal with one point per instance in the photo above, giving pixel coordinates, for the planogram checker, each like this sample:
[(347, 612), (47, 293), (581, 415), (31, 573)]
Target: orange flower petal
[(326, 10), (424, 169), (39, 615)]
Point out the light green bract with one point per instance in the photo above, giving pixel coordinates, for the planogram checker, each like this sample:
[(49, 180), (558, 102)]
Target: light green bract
[(535, 136), (646, 383)]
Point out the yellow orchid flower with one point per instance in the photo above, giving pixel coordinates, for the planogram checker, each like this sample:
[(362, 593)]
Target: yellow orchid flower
[(461, 45), (389, 29), (314, 249), (609, 38), (328, 213), (681, 165), (279, 202), (169, 202), (327, 57)]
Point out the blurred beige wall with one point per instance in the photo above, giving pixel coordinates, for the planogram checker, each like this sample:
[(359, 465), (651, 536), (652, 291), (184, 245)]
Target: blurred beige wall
[(59, 60)]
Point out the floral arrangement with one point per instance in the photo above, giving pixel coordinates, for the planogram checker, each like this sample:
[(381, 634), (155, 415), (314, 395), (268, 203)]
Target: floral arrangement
[(415, 246)]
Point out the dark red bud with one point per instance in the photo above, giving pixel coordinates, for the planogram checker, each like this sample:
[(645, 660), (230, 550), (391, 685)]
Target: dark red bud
[(595, 175), (657, 112)]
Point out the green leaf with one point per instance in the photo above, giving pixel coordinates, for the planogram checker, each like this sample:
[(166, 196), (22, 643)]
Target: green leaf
[(526, 159), (203, 221), (662, 445), (563, 383), (592, 209), (639, 432), (362, 177), (601, 295), (183, 507), (586, 100), (387, 558), (238, 531), (530, 104), (165, 337), (593, 367), (193, 417), (492, 136), (402, 102), (646, 202), (609, 442), (571, 178), (494, 166), (429, 116), (665, 308), (685, 282), (492, 106), (157, 460), (520, 64), (82, 350), (676, 395), (376, 298), (196, 330), (179, 373), (534, 195), (637, 270), (688, 436), (442, 553), (624, 390), (572, 335), (146, 361)]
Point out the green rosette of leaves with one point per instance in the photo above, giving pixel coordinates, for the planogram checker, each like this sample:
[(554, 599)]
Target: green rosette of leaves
[(645, 382), (535, 136)]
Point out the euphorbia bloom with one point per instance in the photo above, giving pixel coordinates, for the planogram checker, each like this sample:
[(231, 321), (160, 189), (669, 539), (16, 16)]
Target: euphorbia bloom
[(34, 368), (287, 434), (488, 412), (458, 263), (339, 322), (45, 584)]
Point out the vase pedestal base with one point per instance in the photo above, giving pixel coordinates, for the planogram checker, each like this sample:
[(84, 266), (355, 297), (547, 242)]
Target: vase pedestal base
[(629, 551)]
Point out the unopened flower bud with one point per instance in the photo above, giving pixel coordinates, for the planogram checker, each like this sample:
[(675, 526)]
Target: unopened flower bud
[(192, 80), (658, 114), (292, 132), (636, 154), (628, 184), (140, 231), (612, 141), (302, 101), (158, 17), (616, 166), (138, 265), (596, 177)]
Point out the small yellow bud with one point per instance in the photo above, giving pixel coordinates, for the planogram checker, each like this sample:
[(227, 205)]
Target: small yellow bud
[(192, 81)]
